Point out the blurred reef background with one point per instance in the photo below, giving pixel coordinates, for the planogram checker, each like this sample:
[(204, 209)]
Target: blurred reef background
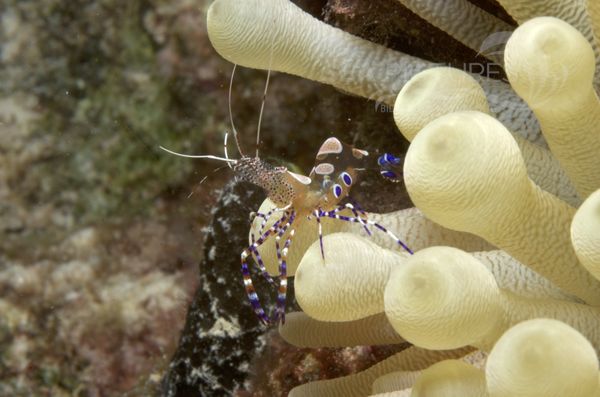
[(102, 234)]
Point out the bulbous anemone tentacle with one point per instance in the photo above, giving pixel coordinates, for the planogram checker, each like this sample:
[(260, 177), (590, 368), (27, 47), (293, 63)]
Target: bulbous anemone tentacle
[(338, 288), (573, 12), (303, 331), (443, 298), (398, 383), (259, 33), (400, 393), (439, 300), (461, 19), (551, 65), (465, 171), (450, 378), (585, 233), (439, 91), (542, 357), (394, 382), (593, 10), (276, 34), (359, 385), (348, 284), (433, 93), (515, 277)]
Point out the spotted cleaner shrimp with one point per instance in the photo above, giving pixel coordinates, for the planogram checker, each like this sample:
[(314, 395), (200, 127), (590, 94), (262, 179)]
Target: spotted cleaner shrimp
[(316, 196)]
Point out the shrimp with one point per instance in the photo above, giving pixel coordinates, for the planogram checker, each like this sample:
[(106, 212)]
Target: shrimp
[(316, 196)]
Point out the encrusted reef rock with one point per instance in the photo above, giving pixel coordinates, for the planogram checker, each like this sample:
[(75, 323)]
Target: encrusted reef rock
[(221, 332)]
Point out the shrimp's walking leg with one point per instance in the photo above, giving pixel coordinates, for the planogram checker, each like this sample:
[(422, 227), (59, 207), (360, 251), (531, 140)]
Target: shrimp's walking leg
[(248, 285), (265, 217), (260, 263), (282, 292), (255, 252), (355, 208), (318, 214), (335, 214)]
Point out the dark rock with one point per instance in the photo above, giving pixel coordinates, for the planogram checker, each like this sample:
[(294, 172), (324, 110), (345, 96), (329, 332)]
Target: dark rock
[(221, 333)]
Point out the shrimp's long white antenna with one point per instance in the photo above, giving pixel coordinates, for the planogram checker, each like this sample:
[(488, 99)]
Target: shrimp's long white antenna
[(262, 108), (202, 156), (225, 150), (262, 105), (199, 183), (235, 134)]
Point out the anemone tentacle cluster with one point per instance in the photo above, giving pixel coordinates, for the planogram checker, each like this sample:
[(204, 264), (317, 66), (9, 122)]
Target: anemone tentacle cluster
[(276, 34), (502, 297), (462, 20)]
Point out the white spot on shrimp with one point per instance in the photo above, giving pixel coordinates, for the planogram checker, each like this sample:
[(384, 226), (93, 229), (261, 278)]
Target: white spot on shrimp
[(301, 178), (324, 169)]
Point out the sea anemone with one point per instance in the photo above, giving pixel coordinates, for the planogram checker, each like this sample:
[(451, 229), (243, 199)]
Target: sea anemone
[(475, 182)]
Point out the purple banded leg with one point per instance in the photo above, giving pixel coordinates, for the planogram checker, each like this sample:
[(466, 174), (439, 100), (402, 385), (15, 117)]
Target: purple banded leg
[(362, 212), (251, 292), (280, 232), (261, 266), (334, 214), (392, 235), (355, 209), (318, 213), (282, 291), (265, 217), (260, 263), (253, 216), (363, 223), (255, 253), (248, 285)]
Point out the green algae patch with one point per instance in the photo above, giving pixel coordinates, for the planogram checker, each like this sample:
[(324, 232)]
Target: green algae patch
[(105, 106)]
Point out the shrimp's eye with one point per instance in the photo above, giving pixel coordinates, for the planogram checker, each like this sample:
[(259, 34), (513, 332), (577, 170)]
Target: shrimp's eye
[(346, 178), (337, 190)]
